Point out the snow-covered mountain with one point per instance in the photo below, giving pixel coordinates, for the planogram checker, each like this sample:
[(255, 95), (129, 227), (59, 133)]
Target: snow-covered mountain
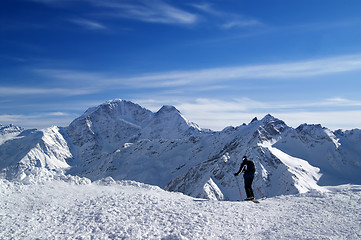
[(8, 132), (122, 140), (31, 149)]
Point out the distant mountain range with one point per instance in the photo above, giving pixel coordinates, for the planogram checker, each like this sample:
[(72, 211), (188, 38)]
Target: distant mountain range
[(122, 140)]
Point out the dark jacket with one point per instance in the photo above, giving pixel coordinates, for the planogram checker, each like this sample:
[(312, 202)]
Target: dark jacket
[(247, 167)]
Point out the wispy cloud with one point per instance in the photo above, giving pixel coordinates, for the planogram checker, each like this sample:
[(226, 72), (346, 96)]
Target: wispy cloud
[(37, 120), (15, 91), (69, 74), (336, 102), (217, 114), (211, 77), (217, 105), (248, 105), (155, 11), (159, 11), (228, 20), (45, 113), (241, 23), (57, 114), (88, 24), (340, 119), (321, 26), (10, 118), (291, 70)]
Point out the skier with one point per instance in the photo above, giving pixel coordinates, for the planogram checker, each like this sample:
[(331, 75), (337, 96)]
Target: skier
[(248, 169)]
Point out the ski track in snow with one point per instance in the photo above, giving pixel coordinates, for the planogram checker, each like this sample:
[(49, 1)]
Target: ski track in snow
[(130, 210)]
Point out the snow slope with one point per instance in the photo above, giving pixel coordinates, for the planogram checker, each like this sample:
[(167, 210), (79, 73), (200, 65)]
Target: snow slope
[(33, 148), (337, 154), (106, 209)]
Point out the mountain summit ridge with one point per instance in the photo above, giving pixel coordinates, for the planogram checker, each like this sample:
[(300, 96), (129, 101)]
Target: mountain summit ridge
[(122, 140)]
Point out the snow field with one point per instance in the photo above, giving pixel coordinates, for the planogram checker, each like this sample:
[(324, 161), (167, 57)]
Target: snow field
[(130, 210)]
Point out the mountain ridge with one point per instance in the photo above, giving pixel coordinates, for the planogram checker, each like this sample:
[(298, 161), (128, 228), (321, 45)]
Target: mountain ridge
[(123, 140)]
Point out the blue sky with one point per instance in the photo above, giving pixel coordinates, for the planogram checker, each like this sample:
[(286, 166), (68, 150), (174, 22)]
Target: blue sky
[(219, 62)]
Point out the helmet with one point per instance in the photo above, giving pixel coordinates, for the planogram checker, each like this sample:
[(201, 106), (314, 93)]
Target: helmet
[(244, 158)]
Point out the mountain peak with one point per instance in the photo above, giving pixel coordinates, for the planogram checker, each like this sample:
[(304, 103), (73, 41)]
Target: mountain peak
[(269, 118), (167, 123), (117, 100), (111, 104), (269, 127), (172, 114), (10, 129), (255, 119), (118, 109), (168, 109), (316, 131), (306, 126)]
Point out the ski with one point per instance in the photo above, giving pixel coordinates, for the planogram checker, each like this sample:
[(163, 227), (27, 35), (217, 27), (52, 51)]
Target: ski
[(256, 200)]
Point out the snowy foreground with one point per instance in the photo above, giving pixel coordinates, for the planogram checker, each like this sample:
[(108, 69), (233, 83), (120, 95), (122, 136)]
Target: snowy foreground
[(60, 209)]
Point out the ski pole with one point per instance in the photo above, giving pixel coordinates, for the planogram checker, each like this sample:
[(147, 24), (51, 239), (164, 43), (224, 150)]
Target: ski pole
[(259, 190), (239, 189)]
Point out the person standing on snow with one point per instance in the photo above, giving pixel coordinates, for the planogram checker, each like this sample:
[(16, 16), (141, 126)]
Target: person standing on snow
[(248, 169)]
